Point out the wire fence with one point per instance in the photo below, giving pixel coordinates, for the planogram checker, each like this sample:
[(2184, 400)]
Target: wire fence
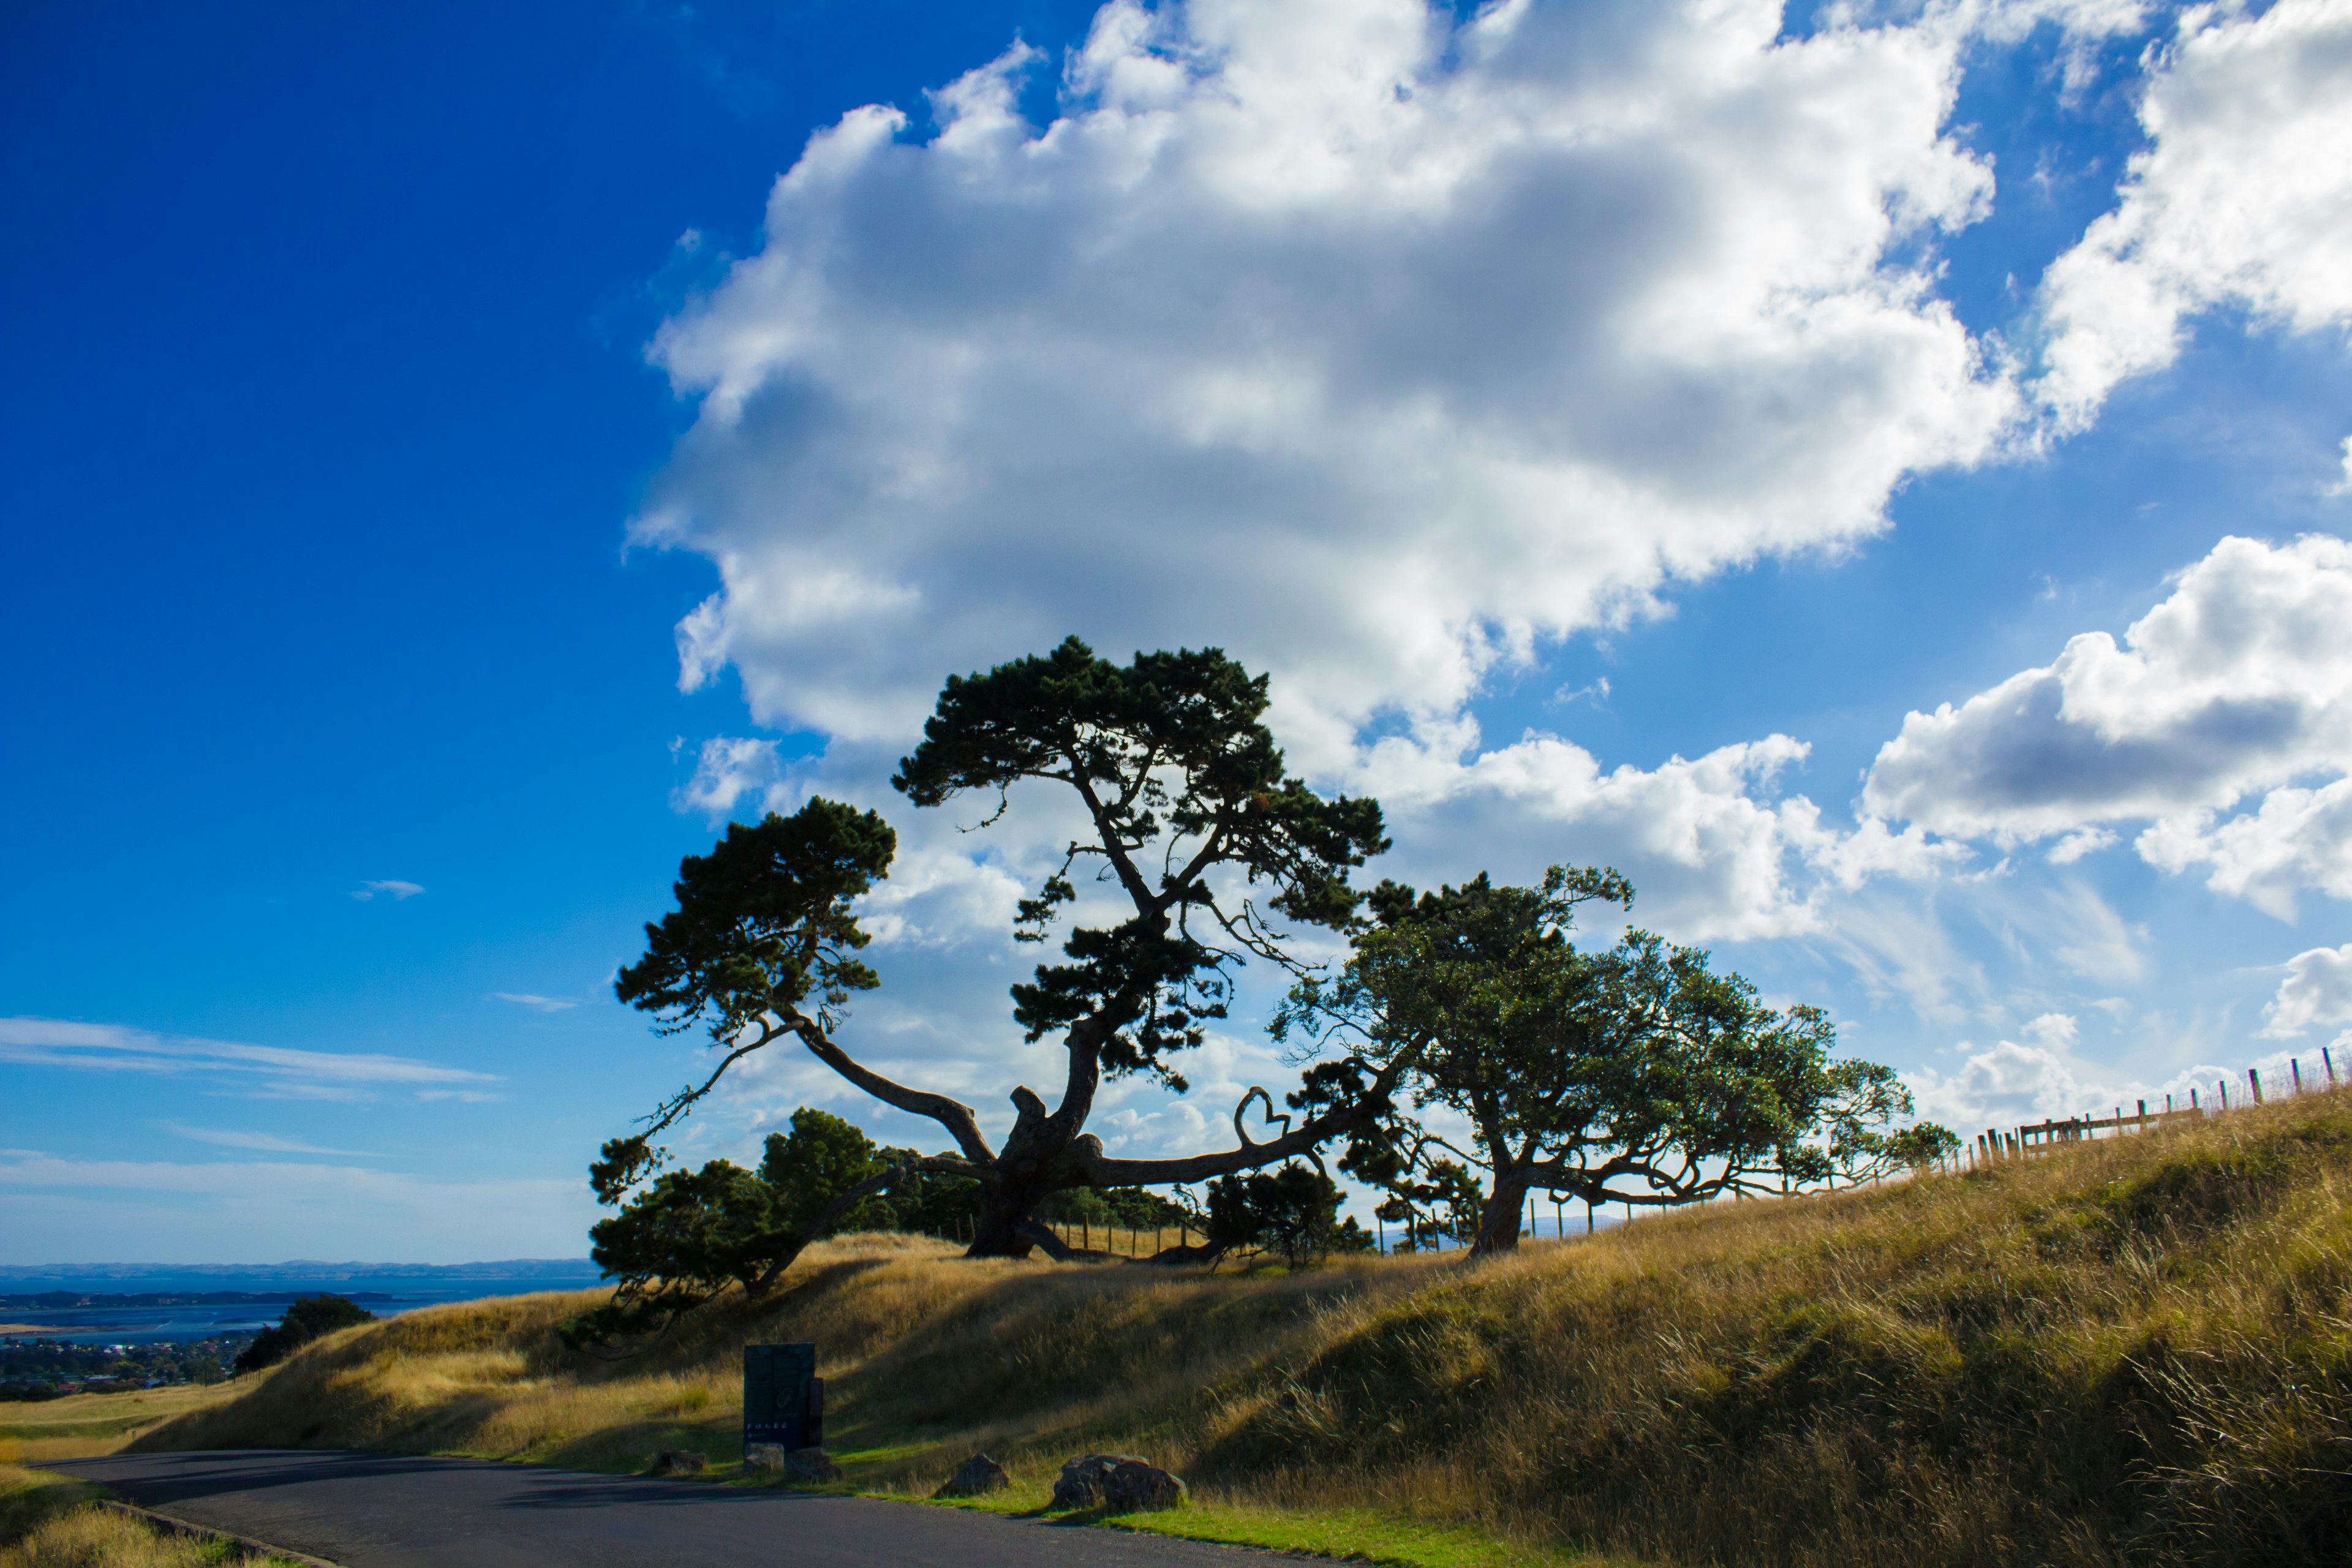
[(1995, 1145)]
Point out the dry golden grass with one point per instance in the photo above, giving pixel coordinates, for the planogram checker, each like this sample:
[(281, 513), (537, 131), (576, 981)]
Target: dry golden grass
[(51, 1521), (2133, 1350), (82, 1424)]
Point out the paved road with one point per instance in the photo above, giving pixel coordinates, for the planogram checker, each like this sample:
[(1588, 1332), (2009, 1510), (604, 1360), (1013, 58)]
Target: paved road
[(388, 1510)]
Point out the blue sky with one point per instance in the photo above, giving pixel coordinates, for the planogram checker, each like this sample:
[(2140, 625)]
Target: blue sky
[(447, 473)]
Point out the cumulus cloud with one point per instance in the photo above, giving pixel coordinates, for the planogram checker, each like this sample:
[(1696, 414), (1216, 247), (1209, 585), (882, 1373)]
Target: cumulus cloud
[(727, 769), (2243, 198), (1375, 346), (271, 1070), (2235, 686), (2317, 990), (2007, 1083), (1716, 849)]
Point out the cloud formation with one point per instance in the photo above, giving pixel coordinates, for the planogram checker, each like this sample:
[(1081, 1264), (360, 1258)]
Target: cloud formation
[(1373, 347), (396, 891), (2317, 990), (273, 1072), (535, 1001), (264, 1142), (2243, 198), (2236, 686)]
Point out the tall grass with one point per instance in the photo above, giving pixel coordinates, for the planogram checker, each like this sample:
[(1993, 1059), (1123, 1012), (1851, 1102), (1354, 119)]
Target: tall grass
[(50, 1521), (2127, 1351)]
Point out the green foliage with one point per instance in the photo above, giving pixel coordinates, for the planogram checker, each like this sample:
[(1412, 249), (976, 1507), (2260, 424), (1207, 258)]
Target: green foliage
[(1291, 1210), (1632, 1074), (1181, 783), (694, 1232), (763, 921), (307, 1320), (925, 1202), (821, 1157), (1128, 1208)]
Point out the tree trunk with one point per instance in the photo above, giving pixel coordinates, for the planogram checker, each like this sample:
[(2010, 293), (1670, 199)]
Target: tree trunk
[(999, 1229), (1500, 1217)]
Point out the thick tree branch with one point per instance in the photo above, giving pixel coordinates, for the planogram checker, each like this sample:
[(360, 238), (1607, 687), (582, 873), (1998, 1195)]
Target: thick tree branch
[(1097, 1171), (951, 1114)]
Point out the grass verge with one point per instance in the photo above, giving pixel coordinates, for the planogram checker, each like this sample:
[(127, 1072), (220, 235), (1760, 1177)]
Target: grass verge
[(53, 1521), (82, 1424), (2137, 1351)]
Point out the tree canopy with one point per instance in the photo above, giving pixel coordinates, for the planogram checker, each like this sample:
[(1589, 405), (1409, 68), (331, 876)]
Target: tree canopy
[(1198, 847), (1635, 1074), (309, 1317)]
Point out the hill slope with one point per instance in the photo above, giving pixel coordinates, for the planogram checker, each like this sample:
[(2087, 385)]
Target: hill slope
[(2132, 1351)]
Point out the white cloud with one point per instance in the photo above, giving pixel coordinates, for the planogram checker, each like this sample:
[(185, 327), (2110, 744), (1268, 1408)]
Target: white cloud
[(537, 1004), (2238, 683), (2053, 1031), (2005, 1084), (2243, 198), (725, 769), (1713, 850), (396, 891), (265, 1143), (2299, 839), (2317, 990), (284, 1073), (1373, 347), (2012, 1082)]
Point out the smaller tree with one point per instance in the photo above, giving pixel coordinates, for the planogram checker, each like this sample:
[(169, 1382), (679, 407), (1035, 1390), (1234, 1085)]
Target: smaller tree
[(1293, 1210), (692, 1234), (309, 1317), (1633, 1075)]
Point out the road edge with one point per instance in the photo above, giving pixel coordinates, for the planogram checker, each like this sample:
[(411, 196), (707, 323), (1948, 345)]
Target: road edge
[(182, 1527)]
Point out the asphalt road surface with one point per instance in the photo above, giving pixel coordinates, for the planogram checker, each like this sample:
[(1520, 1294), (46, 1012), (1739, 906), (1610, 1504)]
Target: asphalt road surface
[(390, 1510)]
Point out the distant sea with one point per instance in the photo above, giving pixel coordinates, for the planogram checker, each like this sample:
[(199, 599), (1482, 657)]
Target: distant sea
[(383, 1288)]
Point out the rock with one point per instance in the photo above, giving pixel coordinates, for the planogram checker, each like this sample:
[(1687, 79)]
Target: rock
[(1136, 1486), (1081, 1481), (811, 1464), (763, 1458), (679, 1462), (979, 1474)]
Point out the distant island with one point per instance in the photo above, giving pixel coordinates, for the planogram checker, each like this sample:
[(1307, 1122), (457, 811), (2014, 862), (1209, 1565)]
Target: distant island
[(36, 1276), (52, 1301)]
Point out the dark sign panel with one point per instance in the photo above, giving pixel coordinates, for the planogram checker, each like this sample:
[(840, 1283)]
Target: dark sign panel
[(784, 1399)]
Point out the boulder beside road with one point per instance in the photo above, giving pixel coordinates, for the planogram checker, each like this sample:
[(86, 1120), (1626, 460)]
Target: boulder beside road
[(1136, 1486), (763, 1458), (811, 1464), (679, 1462), (976, 1476), (1125, 1483)]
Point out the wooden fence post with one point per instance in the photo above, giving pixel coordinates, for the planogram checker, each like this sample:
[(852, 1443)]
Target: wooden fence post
[(2255, 1078)]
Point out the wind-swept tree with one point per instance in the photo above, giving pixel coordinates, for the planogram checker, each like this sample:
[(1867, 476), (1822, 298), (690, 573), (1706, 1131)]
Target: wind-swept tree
[(1201, 845), (1634, 1075)]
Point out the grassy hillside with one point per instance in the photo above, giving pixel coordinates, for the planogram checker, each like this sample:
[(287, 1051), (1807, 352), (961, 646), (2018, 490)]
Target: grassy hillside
[(2129, 1352), (84, 1424)]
